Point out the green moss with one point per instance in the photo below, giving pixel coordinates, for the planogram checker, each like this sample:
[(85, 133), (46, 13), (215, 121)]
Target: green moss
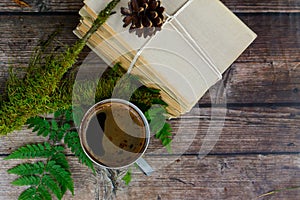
[(36, 92)]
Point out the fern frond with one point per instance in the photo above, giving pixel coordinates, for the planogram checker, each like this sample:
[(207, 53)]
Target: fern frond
[(31, 151), (61, 159), (27, 180), (44, 193), (62, 176), (28, 194), (27, 169), (39, 125), (65, 113), (34, 150), (31, 194), (73, 142), (48, 182)]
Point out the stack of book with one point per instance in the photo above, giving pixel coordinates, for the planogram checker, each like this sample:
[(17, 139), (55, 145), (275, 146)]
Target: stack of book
[(199, 40)]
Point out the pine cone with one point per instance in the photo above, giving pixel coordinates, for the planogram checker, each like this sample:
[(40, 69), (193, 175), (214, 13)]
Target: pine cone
[(145, 16)]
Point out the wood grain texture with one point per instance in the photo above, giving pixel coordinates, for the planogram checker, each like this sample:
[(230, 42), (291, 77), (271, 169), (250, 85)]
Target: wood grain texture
[(42, 6), (75, 5), (257, 83), (250, 6), (187, 177), (278, 37), (217, 177), (232, 130)]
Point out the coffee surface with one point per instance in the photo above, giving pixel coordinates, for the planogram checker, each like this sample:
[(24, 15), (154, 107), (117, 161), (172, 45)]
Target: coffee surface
[(115, 135)]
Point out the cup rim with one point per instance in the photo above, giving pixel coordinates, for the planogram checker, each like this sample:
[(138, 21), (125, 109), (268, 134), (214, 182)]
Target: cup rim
[(114, 100)]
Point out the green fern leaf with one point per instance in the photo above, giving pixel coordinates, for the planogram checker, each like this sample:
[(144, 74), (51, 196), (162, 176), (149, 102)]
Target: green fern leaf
[(54, 125), (27, 169), (49, 183), (63, 189), (30, 194), (73, 142), (60, 159), (31, 151), (26, 180), (62, 176), (58, 113), (27, 194), (40, 125), (54, 130), (34, 150), (44, 128), (44, 193), (69, 114)]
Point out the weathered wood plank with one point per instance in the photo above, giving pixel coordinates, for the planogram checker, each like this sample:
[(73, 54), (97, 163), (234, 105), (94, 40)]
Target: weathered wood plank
[(42, 6), (23, 31), (75, 5), (187, 177), (241, 6), (84, 181), (278, 35), (278, 38), (235, 130), (240, 130), (276, 82), (224, 177)]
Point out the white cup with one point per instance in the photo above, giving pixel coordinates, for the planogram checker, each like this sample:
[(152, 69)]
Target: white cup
[(123, 141)]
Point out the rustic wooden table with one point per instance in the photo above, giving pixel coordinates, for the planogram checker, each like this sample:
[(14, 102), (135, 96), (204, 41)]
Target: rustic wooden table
[(258, 149)]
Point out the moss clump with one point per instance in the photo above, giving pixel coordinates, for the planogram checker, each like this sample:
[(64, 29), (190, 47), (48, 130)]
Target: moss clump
[(35, 93)]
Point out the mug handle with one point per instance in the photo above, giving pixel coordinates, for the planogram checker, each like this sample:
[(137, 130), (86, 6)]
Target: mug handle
[(144, 166)]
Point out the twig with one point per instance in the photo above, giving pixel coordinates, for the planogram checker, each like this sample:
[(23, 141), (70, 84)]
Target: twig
[(279, 190)]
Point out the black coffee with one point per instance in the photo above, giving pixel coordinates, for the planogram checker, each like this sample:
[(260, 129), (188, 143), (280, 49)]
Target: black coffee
[(115, 135)]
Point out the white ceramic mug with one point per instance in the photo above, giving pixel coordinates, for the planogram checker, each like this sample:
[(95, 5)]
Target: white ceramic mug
[(114, 134)]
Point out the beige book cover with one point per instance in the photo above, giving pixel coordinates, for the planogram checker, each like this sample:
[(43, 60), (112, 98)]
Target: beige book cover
[(198, 42)]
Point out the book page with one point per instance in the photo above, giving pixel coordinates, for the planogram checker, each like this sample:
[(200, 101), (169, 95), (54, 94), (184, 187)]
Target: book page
[(221, 35)]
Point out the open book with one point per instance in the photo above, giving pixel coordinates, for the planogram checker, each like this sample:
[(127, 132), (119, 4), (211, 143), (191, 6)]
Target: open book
[(198, 42)]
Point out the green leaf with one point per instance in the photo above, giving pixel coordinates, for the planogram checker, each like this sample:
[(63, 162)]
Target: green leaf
[(165, 136), (48, 182), (60, 134), (127, 177), (69, 114), (27, 169), (158, 125), (44, 193), (54, 125), (155, 111), (27, 180), (66, 126), (58, 113), (61, 159), (62, 176), (73, 142), (28, 194), (40, 125), (32, 151)]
